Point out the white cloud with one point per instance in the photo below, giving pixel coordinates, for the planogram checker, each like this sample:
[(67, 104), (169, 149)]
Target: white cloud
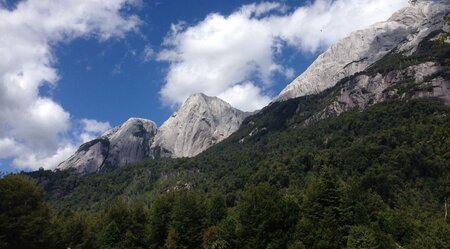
[(240, 95), (218, 55), (92, 129), (34, 130), (34, 160), (94, 126)]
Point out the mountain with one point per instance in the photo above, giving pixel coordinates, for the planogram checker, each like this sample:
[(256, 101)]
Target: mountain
[(201, 122), (401, 34), (363, 163), (415, 68), (127, 143), (382, 104), (395, 59)]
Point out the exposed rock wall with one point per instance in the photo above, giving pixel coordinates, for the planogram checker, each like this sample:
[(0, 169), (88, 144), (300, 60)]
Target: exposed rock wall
[(400, 34), (127, 143), (201, 122)]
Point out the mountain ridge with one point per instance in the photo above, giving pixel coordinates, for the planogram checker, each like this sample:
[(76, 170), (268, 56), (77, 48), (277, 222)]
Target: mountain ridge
[(401, 33), (401, 53), (201, 122)]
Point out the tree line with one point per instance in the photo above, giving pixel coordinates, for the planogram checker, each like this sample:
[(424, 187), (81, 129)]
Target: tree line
[(328, 213)]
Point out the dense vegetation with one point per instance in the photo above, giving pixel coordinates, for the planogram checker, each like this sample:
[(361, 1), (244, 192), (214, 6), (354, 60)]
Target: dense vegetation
[(372, 179)]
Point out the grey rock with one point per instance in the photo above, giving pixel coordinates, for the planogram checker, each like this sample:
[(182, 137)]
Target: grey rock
[(400, 34), (201, 122), (426, 80), (127, 143)]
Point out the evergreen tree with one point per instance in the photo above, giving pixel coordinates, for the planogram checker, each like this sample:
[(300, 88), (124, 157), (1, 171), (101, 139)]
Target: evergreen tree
[(319, 226)]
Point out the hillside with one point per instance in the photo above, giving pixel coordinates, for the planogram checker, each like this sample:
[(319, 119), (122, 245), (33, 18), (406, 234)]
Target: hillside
[(382, 172), (310, 172), (350, 144)]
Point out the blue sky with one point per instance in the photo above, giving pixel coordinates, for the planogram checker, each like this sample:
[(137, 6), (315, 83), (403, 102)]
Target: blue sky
[(74, 69), (112, 81)]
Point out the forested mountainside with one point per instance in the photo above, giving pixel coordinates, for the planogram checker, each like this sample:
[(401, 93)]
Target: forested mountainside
[(273, 135), (363, 164), (372, 179)]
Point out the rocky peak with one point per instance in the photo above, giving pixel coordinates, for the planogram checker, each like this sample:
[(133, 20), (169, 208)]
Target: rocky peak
[(201, 122), (355, 53), (117, 147)]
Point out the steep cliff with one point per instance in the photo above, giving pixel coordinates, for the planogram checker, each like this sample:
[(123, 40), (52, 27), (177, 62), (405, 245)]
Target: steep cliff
[(127, 143), (201, 122), (401, 34)]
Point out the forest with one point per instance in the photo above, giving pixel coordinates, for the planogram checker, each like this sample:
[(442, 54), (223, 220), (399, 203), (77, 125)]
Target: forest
[(373, 179)]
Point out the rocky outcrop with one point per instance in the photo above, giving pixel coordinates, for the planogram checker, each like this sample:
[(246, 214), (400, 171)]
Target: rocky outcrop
[(127, 143), (201, 122), (425, 80), (400, 34)]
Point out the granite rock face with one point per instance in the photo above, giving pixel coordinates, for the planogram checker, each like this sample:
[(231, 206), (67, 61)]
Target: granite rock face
[(201, 122), (400, 34), (425, 80), (127, 143)]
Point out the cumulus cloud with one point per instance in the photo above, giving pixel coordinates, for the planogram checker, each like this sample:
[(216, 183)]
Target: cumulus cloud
[(237, 54), (240, 95), (34, 130), (92, 129)]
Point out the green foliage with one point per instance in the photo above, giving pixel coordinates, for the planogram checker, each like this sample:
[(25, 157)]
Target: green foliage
[(188, 220), (216, 208), (160, 215), (24, 216), (361, 237), (372, 179), (264, 218), (111, 235), (76, 230), (319, 226)]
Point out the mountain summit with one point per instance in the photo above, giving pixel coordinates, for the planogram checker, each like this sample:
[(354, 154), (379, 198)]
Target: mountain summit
[(124, 144), (201, 122), (402, 33)]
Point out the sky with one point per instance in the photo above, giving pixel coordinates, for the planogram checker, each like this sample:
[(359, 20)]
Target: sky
[(70, 70)]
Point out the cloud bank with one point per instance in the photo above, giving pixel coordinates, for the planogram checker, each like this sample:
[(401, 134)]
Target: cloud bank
[(235, 57), (34, 130)]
